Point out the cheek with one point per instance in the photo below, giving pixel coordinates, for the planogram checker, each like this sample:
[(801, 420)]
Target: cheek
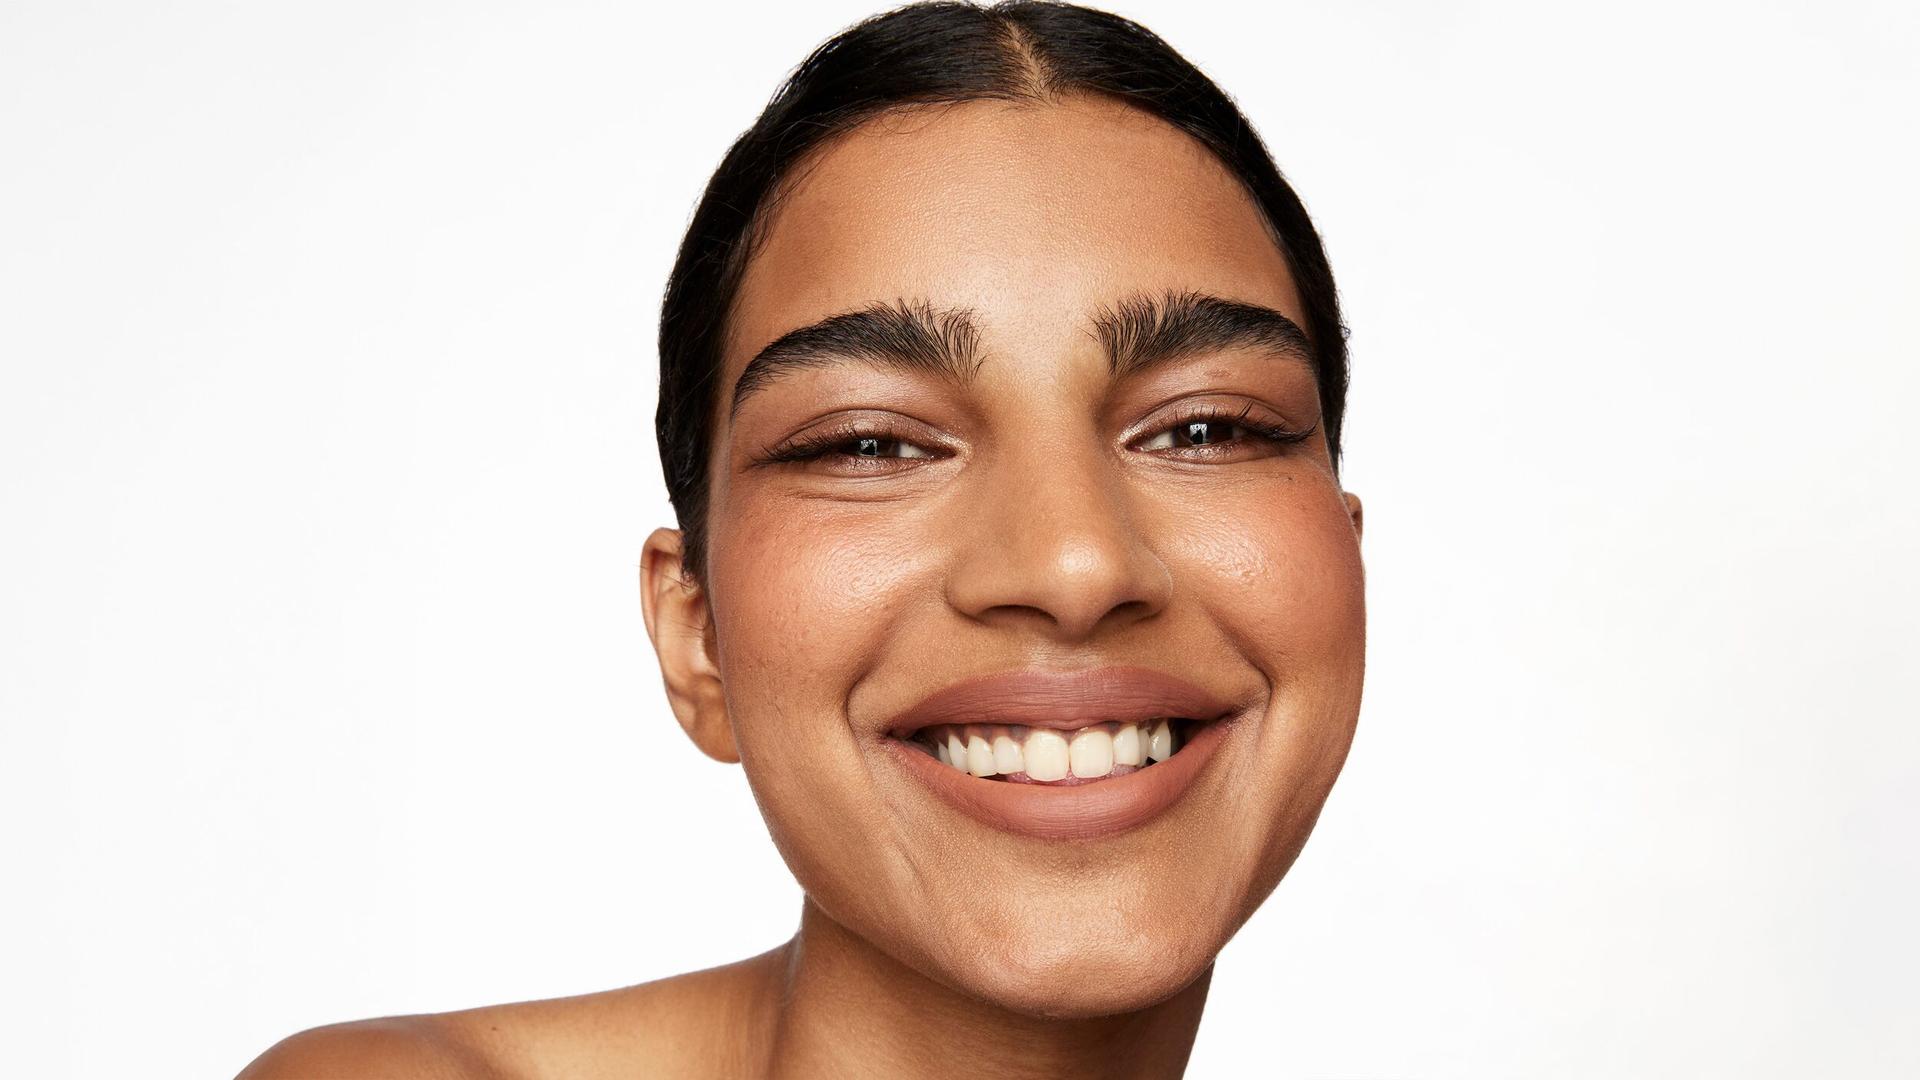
[(1281, 580), (804, 601), (1279, 577), (808, 599), (1278, 572)]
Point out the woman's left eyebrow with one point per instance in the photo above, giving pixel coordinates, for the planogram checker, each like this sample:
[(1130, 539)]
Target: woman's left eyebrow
[(1138, 333), (1145, 330)]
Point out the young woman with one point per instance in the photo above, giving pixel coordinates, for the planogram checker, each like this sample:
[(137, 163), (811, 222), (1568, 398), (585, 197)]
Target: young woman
[(1001, 386)]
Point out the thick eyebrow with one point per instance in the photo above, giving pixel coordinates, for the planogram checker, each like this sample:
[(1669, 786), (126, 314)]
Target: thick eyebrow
[(1137, 332), (916, 337), (1144, 331)]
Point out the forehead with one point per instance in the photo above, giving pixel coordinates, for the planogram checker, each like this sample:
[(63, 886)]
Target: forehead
[(1030, 214)]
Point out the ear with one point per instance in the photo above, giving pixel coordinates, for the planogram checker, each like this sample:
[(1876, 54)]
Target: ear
[(681, 626), (1353, 511)]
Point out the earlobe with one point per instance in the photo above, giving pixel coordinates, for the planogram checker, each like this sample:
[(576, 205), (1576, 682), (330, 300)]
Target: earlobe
[(1353, 511), (680, 625)]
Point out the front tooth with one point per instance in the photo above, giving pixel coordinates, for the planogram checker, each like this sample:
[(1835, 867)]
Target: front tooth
[(1092, 753), (979, 756), (1006, 756), (1160, 742), (1126, 746), (940, 751), (1046, 755), (956, 751)]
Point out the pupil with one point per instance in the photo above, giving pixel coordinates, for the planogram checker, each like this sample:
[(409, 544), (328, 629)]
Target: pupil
[(869, 447), (1197, 432)]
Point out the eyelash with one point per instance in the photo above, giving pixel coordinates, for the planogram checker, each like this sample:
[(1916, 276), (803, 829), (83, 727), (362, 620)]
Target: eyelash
[(818, 444)]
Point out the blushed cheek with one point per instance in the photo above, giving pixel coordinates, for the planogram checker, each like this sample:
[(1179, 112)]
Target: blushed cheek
[(806, 597), (1282, 578), (808, 600)]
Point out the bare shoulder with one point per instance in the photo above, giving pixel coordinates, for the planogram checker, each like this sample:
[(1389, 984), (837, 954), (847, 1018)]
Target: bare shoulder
[(390, 1048), (698, 1024)]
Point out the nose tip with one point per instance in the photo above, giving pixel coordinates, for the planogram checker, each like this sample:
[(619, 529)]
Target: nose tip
[(1065, 550)]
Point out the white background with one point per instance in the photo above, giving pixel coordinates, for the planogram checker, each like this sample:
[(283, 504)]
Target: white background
[(327, 334)]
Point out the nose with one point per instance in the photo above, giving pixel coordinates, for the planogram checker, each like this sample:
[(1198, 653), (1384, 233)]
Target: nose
[(1051, 538)]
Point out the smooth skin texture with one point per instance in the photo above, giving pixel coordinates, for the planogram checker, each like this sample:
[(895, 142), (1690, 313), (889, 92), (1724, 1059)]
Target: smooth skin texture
[(1037, 515)]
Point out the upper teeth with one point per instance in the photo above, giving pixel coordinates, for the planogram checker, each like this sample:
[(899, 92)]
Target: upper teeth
[(1047, 754)]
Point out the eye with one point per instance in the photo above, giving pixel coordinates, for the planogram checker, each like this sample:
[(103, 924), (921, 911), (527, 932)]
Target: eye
[(881, 446), (1213, 430), (1198, 431), (856, 445)]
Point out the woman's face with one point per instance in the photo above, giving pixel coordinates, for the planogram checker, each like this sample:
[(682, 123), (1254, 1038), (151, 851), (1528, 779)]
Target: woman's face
[(1042, 292)]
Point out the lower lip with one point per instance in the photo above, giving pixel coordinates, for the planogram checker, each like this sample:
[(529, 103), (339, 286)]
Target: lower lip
[(1073, 811)]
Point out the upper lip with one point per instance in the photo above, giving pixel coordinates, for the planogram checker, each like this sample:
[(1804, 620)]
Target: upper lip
[(1062, 699)]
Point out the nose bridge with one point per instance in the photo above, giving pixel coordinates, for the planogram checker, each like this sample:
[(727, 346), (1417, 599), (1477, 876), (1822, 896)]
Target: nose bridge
[(1052, 531)]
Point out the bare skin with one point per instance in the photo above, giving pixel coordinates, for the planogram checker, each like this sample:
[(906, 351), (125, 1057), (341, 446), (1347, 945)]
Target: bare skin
[(1035, 516), (782, 1013)]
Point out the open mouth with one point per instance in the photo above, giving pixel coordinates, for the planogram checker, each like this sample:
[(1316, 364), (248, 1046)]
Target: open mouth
[(1020, 754), (1075, 755)]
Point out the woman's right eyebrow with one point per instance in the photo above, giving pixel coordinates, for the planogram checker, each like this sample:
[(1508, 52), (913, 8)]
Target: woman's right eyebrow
[(913, 336), (1138, 333)]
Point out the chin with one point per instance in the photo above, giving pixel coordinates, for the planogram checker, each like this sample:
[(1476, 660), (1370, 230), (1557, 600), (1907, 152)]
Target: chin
[(1075, 978)]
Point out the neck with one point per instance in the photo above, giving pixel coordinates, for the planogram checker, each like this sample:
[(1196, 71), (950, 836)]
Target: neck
[(833, 1005)]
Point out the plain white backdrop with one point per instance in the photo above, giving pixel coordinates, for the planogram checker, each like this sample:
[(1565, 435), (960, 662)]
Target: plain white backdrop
[(329, 378)]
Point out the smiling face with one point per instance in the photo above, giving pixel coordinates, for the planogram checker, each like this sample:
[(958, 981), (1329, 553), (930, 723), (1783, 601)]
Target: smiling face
[(1028, 399)]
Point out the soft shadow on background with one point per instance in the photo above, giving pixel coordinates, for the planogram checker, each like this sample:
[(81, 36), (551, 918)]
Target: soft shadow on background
[(328, 454)]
